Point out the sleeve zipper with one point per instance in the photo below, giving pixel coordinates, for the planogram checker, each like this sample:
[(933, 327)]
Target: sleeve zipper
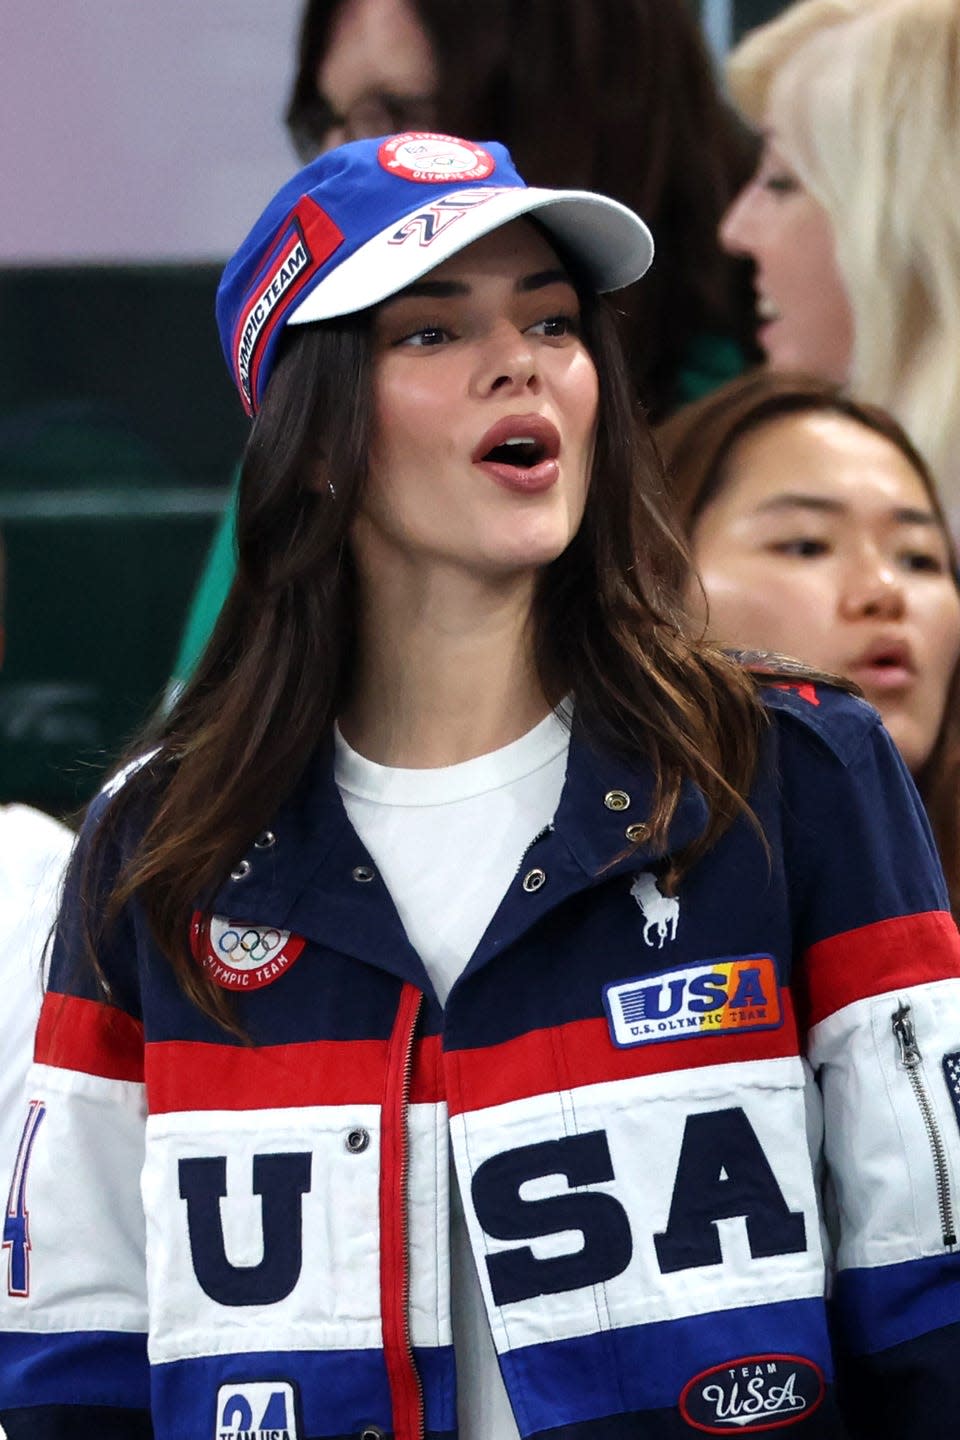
[(911, 1061)]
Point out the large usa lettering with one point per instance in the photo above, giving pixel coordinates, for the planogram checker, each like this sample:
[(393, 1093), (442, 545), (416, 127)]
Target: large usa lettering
[(722, 1172), (281, 1181)]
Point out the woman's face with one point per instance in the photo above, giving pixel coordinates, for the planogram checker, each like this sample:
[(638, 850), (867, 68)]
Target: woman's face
[(377, 73), (821, 543), (804, 320), (485, 412)]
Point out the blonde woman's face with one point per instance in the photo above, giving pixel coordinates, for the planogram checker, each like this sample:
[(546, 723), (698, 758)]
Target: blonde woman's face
[(804, 320), (821, 543)]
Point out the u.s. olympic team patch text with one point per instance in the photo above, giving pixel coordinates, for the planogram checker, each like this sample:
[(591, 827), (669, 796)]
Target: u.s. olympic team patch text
[(715, 997), (240, 956)]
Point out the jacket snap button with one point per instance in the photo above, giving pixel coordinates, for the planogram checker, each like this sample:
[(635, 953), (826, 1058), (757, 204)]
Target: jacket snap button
[(242, 870), (363, 874), (616, 799), (358, 1140), (636, 833), (533, 880), (265, 841), (373, 1432)]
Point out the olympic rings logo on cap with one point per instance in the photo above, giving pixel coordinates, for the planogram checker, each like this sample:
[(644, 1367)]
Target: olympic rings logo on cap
[(433, 159), (241, 956)]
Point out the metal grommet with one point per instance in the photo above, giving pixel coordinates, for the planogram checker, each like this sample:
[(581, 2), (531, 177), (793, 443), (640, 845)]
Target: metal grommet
[(363, 874), (373, 1432), (616, 800), (636, 833), (242, 870), (358, 1140), (265, 840), (533, 880)]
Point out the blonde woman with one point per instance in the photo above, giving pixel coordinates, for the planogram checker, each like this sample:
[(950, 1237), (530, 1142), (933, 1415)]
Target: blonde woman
[(853, 215)]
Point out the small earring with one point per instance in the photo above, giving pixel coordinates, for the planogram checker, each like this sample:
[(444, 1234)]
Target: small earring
[(330, 487)]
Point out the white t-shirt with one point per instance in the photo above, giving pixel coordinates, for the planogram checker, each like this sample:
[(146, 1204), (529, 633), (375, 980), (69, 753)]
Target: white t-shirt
[(447, 843), (33, 852)]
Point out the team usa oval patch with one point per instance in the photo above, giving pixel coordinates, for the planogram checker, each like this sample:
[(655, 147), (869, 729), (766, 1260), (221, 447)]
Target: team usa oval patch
[(241, 956), (754, 1393), (434, 159)]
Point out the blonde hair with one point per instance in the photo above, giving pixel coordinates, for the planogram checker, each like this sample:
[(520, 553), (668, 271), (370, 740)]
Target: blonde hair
[(870, 119)]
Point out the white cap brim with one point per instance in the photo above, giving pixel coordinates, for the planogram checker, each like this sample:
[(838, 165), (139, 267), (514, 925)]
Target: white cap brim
[(610, 241)]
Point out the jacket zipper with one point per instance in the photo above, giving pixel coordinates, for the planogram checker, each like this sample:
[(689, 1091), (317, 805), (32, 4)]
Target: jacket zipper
[(911, 1060), (406, 1388)]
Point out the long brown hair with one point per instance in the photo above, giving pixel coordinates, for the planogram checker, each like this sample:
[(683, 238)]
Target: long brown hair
[(266, 692), (617, 96), (697, 444)]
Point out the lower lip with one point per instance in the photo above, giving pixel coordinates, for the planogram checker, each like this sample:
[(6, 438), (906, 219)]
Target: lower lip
[(883, 678), (523, 482)]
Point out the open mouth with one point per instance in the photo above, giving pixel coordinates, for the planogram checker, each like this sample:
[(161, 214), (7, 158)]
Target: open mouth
[(522, 451)]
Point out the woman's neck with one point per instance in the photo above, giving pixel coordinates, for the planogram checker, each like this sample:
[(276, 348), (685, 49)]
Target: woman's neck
[(445, 670)]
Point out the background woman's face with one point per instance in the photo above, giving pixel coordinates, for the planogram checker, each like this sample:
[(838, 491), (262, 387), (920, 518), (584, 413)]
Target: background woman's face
[(377, 73), (821, 543), (804, 320)]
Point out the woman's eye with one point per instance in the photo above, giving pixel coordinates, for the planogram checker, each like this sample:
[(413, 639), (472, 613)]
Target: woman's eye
[(556, 326), (427, 335), (804, 547), (781, 183), (922, 560)]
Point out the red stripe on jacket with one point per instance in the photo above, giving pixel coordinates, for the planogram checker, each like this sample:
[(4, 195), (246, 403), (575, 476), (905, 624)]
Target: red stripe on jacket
[(887, 955), (85, 1035), (583, 1053), (199, 1075)]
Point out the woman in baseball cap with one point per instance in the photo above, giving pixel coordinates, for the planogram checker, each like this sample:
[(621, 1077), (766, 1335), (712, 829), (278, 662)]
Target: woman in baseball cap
[(455, 846)]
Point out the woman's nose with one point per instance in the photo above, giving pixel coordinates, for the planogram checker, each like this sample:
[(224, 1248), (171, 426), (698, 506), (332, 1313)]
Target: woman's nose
[(508, 361), (876, 591), (735, 231)]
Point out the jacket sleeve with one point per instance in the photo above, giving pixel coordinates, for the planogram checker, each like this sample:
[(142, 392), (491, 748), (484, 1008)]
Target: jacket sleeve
[(879, 985), (73, 1312)]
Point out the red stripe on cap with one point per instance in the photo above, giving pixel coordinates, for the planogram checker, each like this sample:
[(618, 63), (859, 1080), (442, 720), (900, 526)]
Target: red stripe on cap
[(908, 950), (197, 1075), (75, 1034), (582, 1053), (321, 236)]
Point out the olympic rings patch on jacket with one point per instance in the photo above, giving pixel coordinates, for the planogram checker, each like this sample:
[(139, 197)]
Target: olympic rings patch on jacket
[(241, 956)]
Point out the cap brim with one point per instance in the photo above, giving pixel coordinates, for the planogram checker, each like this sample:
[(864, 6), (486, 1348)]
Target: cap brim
[(610, 241)]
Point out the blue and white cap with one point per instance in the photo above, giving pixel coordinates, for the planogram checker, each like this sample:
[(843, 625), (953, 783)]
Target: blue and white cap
[(362, 222)]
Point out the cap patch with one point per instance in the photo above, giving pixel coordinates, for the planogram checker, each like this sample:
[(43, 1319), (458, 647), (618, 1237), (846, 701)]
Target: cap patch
[(434, 159), (716, 997), (759, 1392), (306, 242), (239, 956)]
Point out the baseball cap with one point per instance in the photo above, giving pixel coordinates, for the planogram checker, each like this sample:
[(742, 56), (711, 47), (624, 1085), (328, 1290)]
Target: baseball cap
[(365, 220)]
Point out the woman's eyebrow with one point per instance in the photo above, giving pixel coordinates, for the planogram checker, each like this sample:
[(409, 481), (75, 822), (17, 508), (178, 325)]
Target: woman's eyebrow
[(789, 500), (448, 289)]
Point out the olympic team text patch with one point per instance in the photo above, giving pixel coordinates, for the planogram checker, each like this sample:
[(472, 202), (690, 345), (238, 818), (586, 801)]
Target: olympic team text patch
[(717, 997), (257, 1410), (434, 159), (240, 956)]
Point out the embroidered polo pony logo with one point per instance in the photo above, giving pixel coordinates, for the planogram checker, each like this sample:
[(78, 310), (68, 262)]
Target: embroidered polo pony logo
[(660, 912)]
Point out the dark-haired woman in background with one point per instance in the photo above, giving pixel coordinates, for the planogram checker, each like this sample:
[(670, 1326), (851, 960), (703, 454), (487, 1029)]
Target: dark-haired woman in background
[(817, 532), (456, 845)]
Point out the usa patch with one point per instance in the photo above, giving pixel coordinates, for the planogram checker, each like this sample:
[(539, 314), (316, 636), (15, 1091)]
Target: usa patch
[(240, 956), (257, 1410), (716, 997), (757, 1392), (951, 1073)]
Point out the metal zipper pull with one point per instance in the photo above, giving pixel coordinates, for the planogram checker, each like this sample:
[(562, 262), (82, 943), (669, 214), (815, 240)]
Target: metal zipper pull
[(911, 1060)]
